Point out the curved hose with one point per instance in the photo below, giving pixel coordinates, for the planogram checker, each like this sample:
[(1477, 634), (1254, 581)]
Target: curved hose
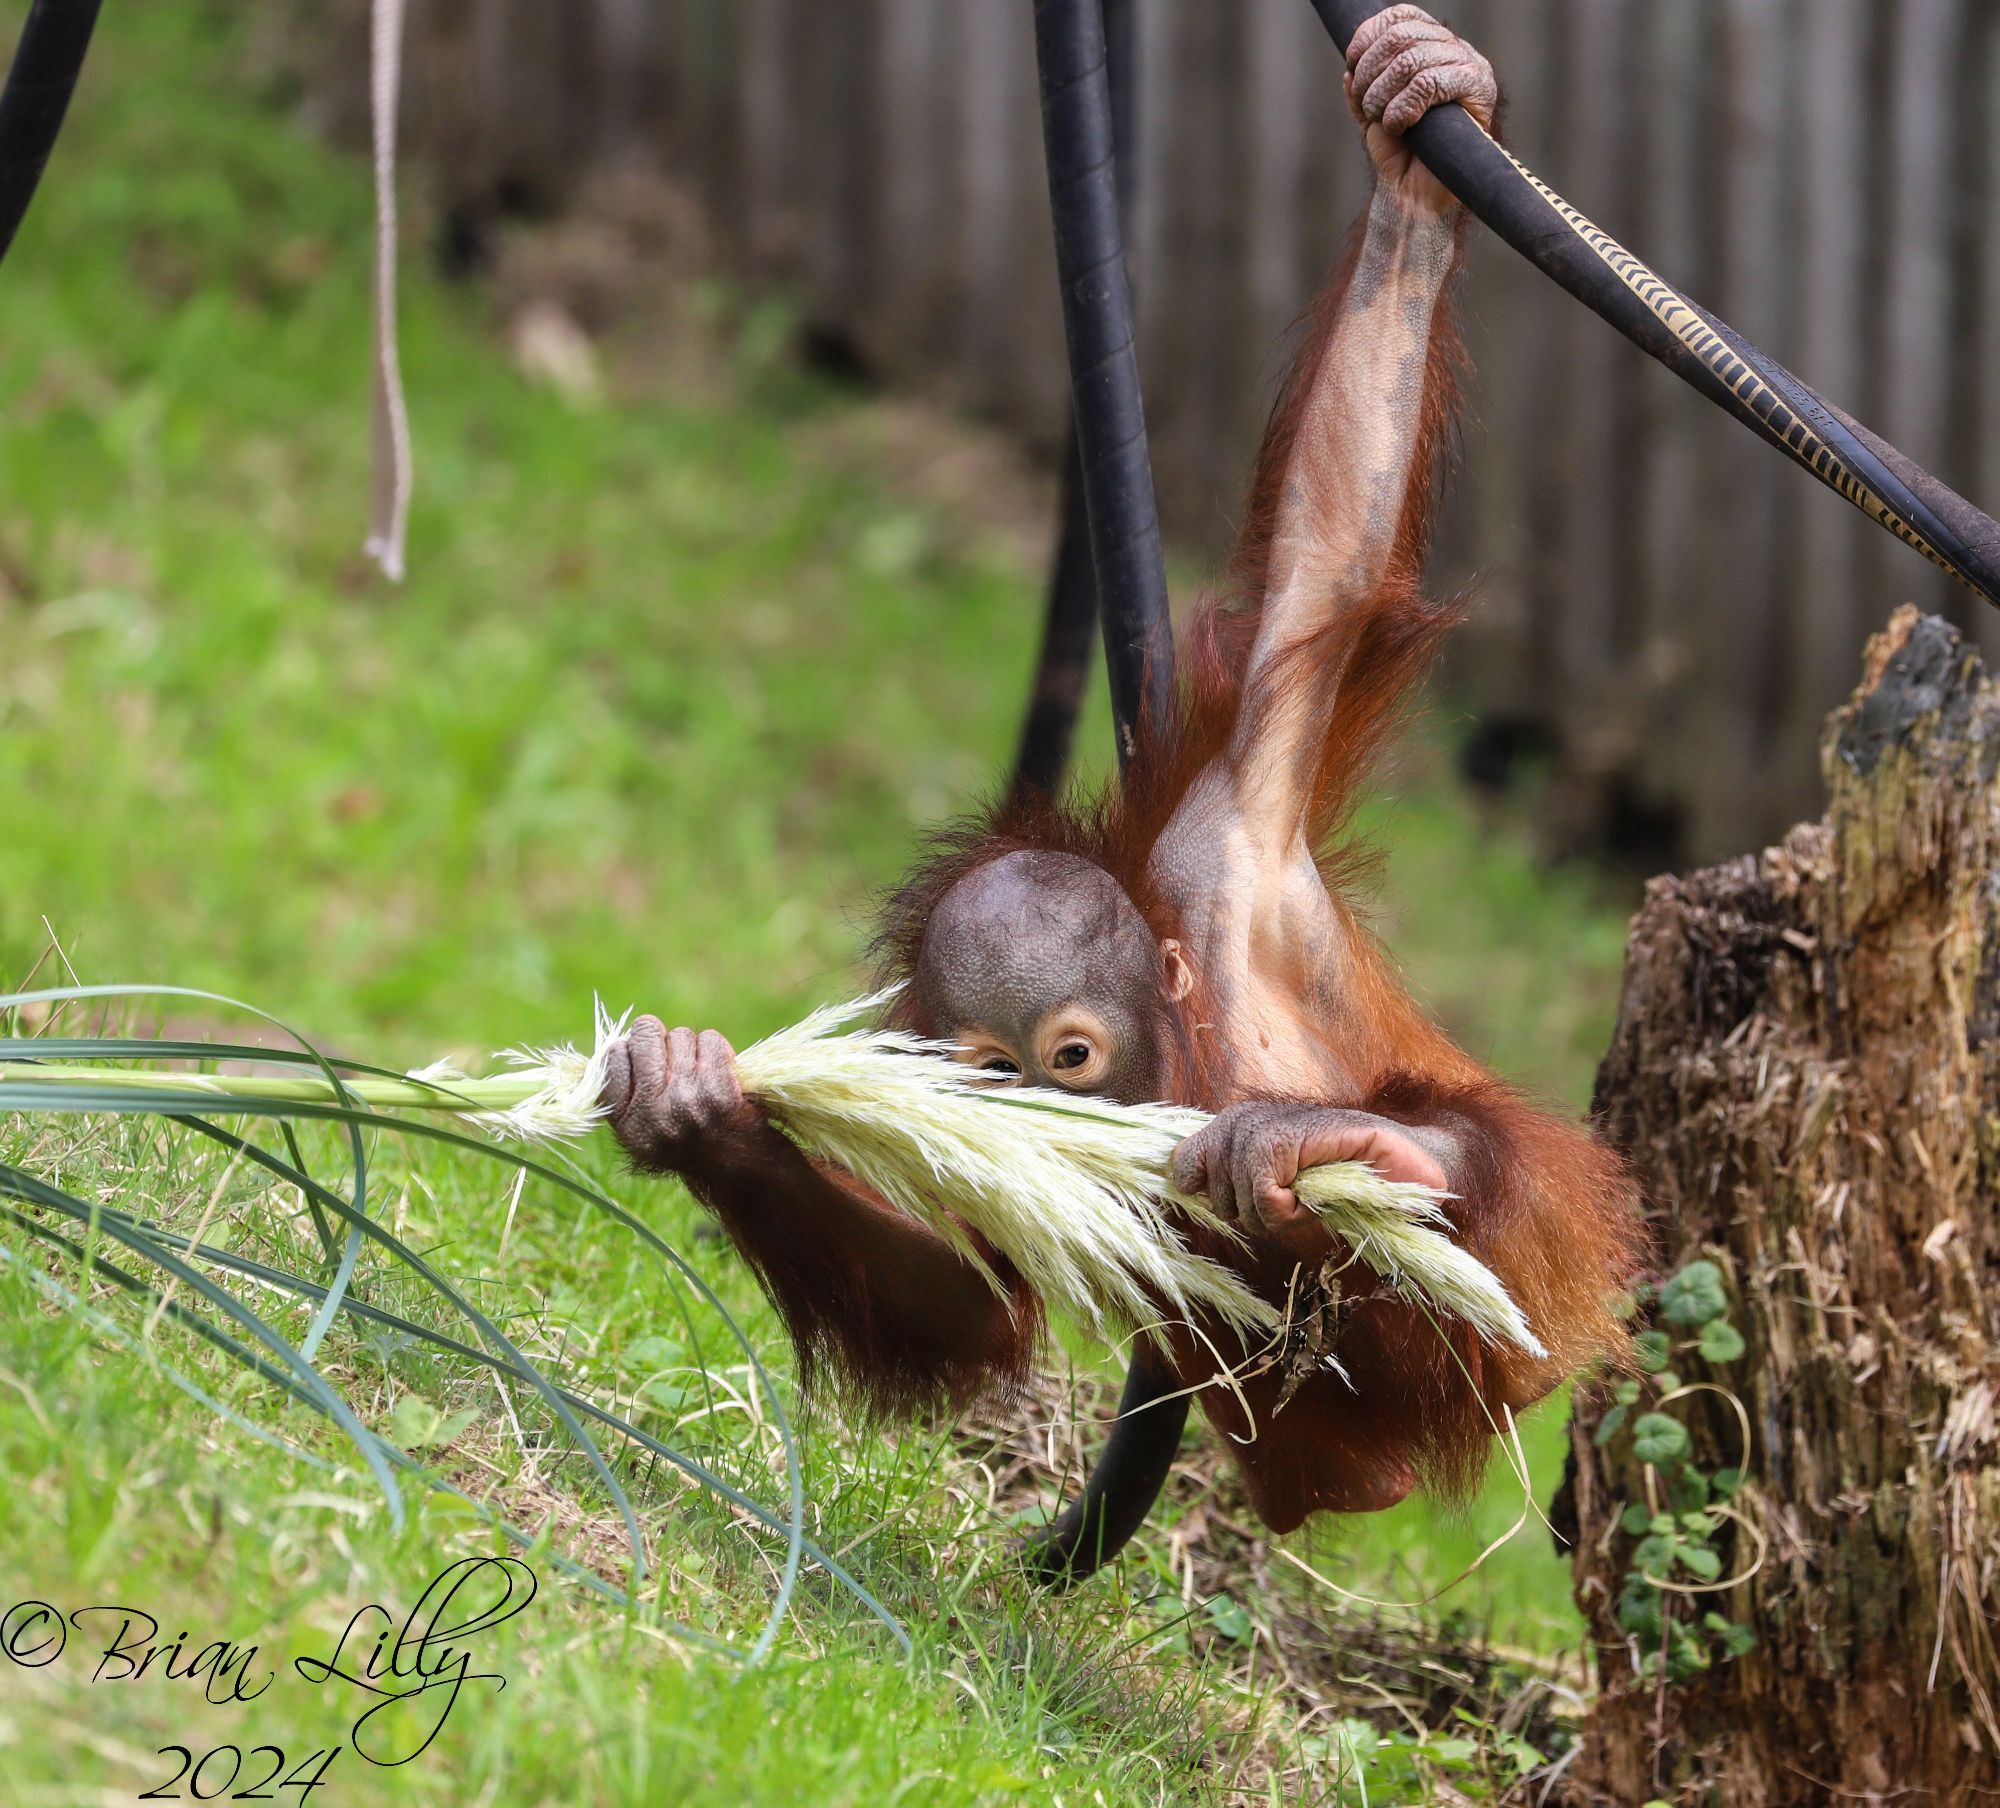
[(1109, 564), (1080, 134), (1070, 621), (47, 62), (1517, 207), (1121, 1490)]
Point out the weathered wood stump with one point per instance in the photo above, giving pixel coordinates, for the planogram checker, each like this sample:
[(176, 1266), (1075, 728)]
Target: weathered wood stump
[(1806, 1077)]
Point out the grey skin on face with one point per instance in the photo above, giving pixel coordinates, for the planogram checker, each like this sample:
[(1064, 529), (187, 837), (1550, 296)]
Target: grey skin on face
[(1044, 969)]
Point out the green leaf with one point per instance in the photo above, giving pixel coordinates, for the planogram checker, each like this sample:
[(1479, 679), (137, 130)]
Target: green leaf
[(1651, 1350), (1626, 1393), (418, 1425), (1655, 1555), (1666, 1381), (1639, 1608), (1720, 1341), (1701, 1561), (1658, 1438), (1636, 1518), (1607, 1427), (1695, 1295), (1689, 1657), (1726, 1482), (1688, 1490), (1229, 1618), (1735, 1638)]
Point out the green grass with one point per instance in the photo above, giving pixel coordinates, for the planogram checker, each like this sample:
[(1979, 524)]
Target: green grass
[(666, 697)]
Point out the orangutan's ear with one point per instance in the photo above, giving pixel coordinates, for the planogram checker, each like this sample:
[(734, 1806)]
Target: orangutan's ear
[(1177, 977)]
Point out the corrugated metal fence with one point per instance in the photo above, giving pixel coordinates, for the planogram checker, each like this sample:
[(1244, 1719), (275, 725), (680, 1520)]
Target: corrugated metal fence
[(1676, 604)]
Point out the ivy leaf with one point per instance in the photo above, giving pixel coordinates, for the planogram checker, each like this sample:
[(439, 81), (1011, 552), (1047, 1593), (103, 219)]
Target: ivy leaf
[(1607, 1427), (1666, 1381), (1737, 1640), (1658, 1438), (1655, 1556), (1720, 1341), (1627, 1393), (1688, 1656), (1695, 1295), (1651, 1349), (1689, 1491), (1726, 1481), (1636, 1518), (1705, 1563), (1639, 1608)]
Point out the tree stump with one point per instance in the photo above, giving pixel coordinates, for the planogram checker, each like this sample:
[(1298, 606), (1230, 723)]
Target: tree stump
[(1806, 1077)]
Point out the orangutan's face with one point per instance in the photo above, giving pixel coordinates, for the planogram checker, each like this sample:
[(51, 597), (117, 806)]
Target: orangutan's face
[(1042, 967)]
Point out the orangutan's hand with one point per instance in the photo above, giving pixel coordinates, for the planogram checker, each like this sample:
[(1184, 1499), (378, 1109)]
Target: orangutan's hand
[(673, 1099), (1401, 64), (1246, 1160)]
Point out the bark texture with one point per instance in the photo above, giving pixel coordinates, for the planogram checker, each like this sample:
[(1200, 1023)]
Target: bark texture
[(1806, 1076)]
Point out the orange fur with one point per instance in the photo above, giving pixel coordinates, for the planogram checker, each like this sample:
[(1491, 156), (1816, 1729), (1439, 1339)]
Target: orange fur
[(1544, 1203)]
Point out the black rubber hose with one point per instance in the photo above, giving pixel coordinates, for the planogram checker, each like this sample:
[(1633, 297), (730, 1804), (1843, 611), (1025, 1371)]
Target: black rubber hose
[(47, 62), (1070, 618), (1519, 209), (1069, 631), (1088, 112), (1128, 1478), (1079, 136)]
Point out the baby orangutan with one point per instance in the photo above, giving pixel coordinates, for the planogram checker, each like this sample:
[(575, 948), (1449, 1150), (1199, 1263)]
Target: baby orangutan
[(1190, 938)]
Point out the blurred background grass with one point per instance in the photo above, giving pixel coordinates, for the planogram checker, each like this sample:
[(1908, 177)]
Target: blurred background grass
[(677, 677)]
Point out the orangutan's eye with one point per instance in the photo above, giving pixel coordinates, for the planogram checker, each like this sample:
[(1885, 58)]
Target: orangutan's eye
[(1001, 1067), (1071, 1047)]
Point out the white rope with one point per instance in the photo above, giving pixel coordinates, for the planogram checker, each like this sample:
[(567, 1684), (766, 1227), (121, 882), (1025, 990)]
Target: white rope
[(390, 512)]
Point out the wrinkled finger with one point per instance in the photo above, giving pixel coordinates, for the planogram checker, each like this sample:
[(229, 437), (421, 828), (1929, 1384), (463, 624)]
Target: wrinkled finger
[(1372, 31), (1353, 101), (1249, 1165), (1187, 1167), (1222, 1187), (616, 1092), (1467, 83), (681, 1053), (1392, 46), (647, 1046), (1218, 1177), (717, 1062), (1278, 1207), (1407, 69), (1398, 1158)]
